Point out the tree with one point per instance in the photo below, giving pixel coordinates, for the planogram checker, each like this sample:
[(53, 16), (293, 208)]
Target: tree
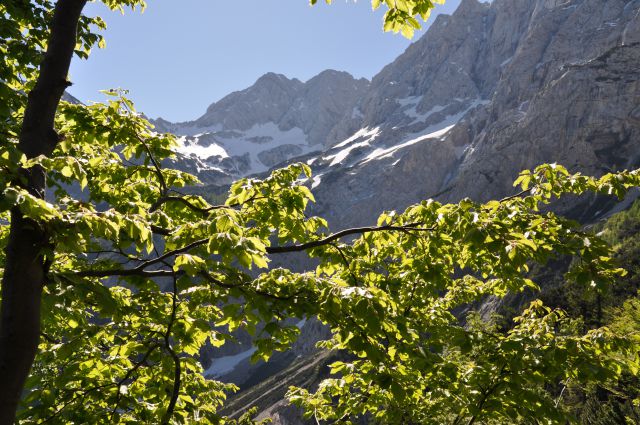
[(113, 279)]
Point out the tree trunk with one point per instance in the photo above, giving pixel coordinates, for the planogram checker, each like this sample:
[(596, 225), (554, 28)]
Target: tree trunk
[(24, 272)]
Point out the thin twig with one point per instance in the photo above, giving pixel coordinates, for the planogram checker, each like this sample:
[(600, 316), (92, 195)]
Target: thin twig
[(517, 195), (244, 289), (346, 263)]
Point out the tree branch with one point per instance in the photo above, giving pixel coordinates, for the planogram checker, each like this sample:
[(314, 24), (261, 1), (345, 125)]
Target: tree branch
[(140, 269), (346, 263), (128, 375), (168, 198), (176, 360), (344, 233), (516, 195), (244, 290), (486, 394), (123, 272), (156, 166)]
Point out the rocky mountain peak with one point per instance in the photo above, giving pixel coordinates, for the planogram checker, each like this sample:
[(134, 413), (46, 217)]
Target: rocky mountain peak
[(472, 7), (483, 77), (274, 78), (275, 119), (271, 85)]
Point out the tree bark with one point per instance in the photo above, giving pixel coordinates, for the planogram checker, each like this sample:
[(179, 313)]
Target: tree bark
[(25, 272)]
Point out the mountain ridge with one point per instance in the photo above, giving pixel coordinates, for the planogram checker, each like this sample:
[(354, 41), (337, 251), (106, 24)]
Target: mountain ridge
[(275, 119)]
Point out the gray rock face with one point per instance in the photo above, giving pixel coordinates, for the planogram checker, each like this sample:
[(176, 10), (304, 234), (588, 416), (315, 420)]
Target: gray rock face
[(274, 120), (584, 116), (522, 83), (278, 154)]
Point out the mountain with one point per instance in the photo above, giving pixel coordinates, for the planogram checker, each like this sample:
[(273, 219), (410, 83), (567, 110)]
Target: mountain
[(276, 119), (491, 90), (494, 88), (452, 116)]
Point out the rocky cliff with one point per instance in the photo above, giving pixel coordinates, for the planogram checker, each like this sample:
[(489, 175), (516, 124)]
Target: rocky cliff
[(488, 91), (491, 90)]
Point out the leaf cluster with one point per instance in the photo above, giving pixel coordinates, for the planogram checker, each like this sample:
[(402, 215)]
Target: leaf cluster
[(401, 16)]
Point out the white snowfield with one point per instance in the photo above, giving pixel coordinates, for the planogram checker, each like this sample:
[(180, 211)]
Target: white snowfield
[(338, 158), (260, 138), (386, 153), (223, 365), (340, 155)]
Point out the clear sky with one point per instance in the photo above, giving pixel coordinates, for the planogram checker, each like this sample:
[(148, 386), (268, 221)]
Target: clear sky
[(179, 56)]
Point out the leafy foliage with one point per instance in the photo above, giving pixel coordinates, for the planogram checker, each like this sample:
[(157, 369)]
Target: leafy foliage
[(402, 15), (427, 367), (141, 276)]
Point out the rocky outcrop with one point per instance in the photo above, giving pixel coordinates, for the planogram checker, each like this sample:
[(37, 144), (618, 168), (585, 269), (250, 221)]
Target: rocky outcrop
[(279, 154), (584, 116)]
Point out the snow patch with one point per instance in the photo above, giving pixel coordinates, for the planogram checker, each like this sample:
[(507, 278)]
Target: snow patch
[(412, 111), (432, 132), (385, 153), (344, 153), (226, 364), (190, 147), (316, 180), (363, 132), (225, 144), (369, 135)]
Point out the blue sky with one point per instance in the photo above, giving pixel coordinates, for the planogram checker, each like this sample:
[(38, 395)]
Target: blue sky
[(179, 56)]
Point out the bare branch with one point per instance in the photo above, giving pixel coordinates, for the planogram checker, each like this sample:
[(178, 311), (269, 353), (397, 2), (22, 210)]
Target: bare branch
[(347, 232), (183, 200), (123, 272)]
